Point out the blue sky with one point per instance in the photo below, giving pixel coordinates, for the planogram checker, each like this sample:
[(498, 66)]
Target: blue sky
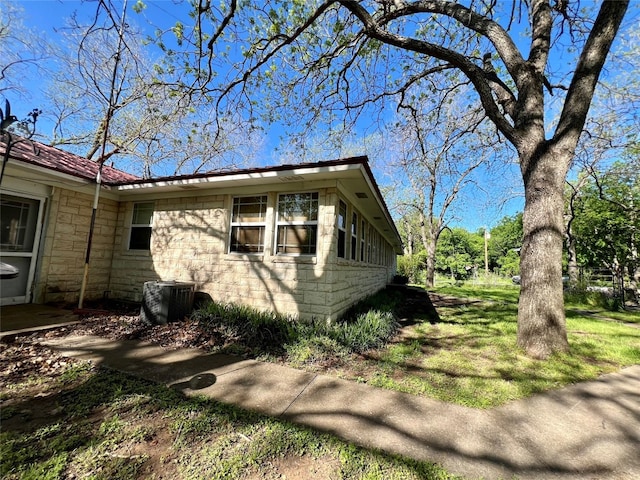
[(45, 16)]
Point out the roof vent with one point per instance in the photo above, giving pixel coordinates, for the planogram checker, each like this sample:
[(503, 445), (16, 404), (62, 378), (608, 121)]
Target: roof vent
[(361, 195), (291, 178)]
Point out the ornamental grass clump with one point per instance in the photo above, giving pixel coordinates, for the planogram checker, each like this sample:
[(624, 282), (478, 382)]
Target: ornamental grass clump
[(260, 331), (368, 324), (368, 330)]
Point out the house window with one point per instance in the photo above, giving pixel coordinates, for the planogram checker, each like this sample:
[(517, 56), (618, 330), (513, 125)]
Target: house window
[(362, 247), (354, 235), (141, 222), (297, 223), (248, 224), (342, 230)]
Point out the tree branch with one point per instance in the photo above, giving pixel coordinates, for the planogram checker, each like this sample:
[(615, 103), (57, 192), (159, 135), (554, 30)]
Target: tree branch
[(585, 77), (476, 74)]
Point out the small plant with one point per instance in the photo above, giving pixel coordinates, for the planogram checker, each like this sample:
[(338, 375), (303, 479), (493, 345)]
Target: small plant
[(74, 372), (368, 330)]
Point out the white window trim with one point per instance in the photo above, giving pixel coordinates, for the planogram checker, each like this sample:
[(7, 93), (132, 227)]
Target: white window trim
[(354, 244), (279, 223), (342, 229), (140, 225), (362, 247), (262, 224)]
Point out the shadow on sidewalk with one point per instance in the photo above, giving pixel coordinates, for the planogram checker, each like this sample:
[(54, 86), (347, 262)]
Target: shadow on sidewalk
[(588, 429)]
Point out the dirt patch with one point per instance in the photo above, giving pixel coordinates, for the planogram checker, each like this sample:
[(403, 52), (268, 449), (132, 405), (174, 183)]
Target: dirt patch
[(293, 467)]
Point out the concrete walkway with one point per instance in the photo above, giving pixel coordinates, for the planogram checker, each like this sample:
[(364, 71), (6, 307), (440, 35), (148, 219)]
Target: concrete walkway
[(31, 317), (587, 431)]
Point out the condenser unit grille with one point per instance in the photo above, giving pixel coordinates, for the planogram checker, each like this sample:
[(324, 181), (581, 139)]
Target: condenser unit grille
[(164, 302)]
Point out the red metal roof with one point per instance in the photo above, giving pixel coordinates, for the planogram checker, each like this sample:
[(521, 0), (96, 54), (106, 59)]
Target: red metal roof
[(53, 158), (36, 153)]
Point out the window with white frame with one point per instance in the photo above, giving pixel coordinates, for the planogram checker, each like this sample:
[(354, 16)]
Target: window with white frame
[(248, 224), (297, 223), (354, 236), (342, 229), (362, 241), (141, 225)]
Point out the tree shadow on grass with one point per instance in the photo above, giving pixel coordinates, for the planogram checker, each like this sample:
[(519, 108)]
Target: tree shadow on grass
[(88, 419)]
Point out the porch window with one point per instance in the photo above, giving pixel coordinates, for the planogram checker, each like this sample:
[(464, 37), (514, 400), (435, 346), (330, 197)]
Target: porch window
[(342, 229), (297, 223), (141, 224), (17, 223), (248, 224)]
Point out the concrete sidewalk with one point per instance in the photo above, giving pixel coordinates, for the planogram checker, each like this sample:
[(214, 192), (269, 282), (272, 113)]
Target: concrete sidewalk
[(31, 317), (587, 431)]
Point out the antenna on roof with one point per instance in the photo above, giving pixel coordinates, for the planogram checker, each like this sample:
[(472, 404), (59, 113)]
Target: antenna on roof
[(9, 124)]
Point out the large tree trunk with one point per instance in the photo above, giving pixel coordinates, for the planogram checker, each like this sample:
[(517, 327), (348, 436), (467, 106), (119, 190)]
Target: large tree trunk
[(541, 317)]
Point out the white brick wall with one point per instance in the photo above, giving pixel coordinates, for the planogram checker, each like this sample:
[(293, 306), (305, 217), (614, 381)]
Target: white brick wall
[(65, 242), (189, 243)]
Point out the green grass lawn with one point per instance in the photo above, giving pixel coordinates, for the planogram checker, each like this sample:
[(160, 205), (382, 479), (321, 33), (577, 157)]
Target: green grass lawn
[(470, 357), (86, 422), (101, 424)]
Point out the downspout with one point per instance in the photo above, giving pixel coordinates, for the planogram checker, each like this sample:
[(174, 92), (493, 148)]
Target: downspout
[(96, 196)]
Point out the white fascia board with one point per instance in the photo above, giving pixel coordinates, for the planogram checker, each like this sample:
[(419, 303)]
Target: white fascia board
[(43, 172), (219, 180), (46, 176)]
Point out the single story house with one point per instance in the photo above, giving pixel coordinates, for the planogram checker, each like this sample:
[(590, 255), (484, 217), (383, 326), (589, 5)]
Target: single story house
[(308, 239)]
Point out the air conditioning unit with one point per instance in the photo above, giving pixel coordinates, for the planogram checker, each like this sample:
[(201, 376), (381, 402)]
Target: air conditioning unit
[(164, 302)]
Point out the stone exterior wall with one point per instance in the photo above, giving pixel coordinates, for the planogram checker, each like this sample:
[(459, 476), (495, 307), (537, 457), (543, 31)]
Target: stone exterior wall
[(190, 243), (65, 242), (351, 280)]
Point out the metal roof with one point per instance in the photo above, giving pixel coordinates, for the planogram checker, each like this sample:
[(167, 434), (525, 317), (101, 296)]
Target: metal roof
[(353, 173)]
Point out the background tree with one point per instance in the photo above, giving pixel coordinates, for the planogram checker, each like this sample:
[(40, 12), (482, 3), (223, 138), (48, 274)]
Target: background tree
[(153, 128), (607, 221), (504, 246), (459, 253), (342, 56), (435, 151), (21, 51), (611, 132)]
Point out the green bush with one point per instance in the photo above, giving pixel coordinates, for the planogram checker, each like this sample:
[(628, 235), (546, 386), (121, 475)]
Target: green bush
[(256, 330), (593, 298), (368, 324), (412, 267)]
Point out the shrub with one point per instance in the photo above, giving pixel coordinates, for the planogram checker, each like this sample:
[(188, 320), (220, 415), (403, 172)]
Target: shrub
[(247, 326), (594, 298), (368, 324), (412, 267)]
